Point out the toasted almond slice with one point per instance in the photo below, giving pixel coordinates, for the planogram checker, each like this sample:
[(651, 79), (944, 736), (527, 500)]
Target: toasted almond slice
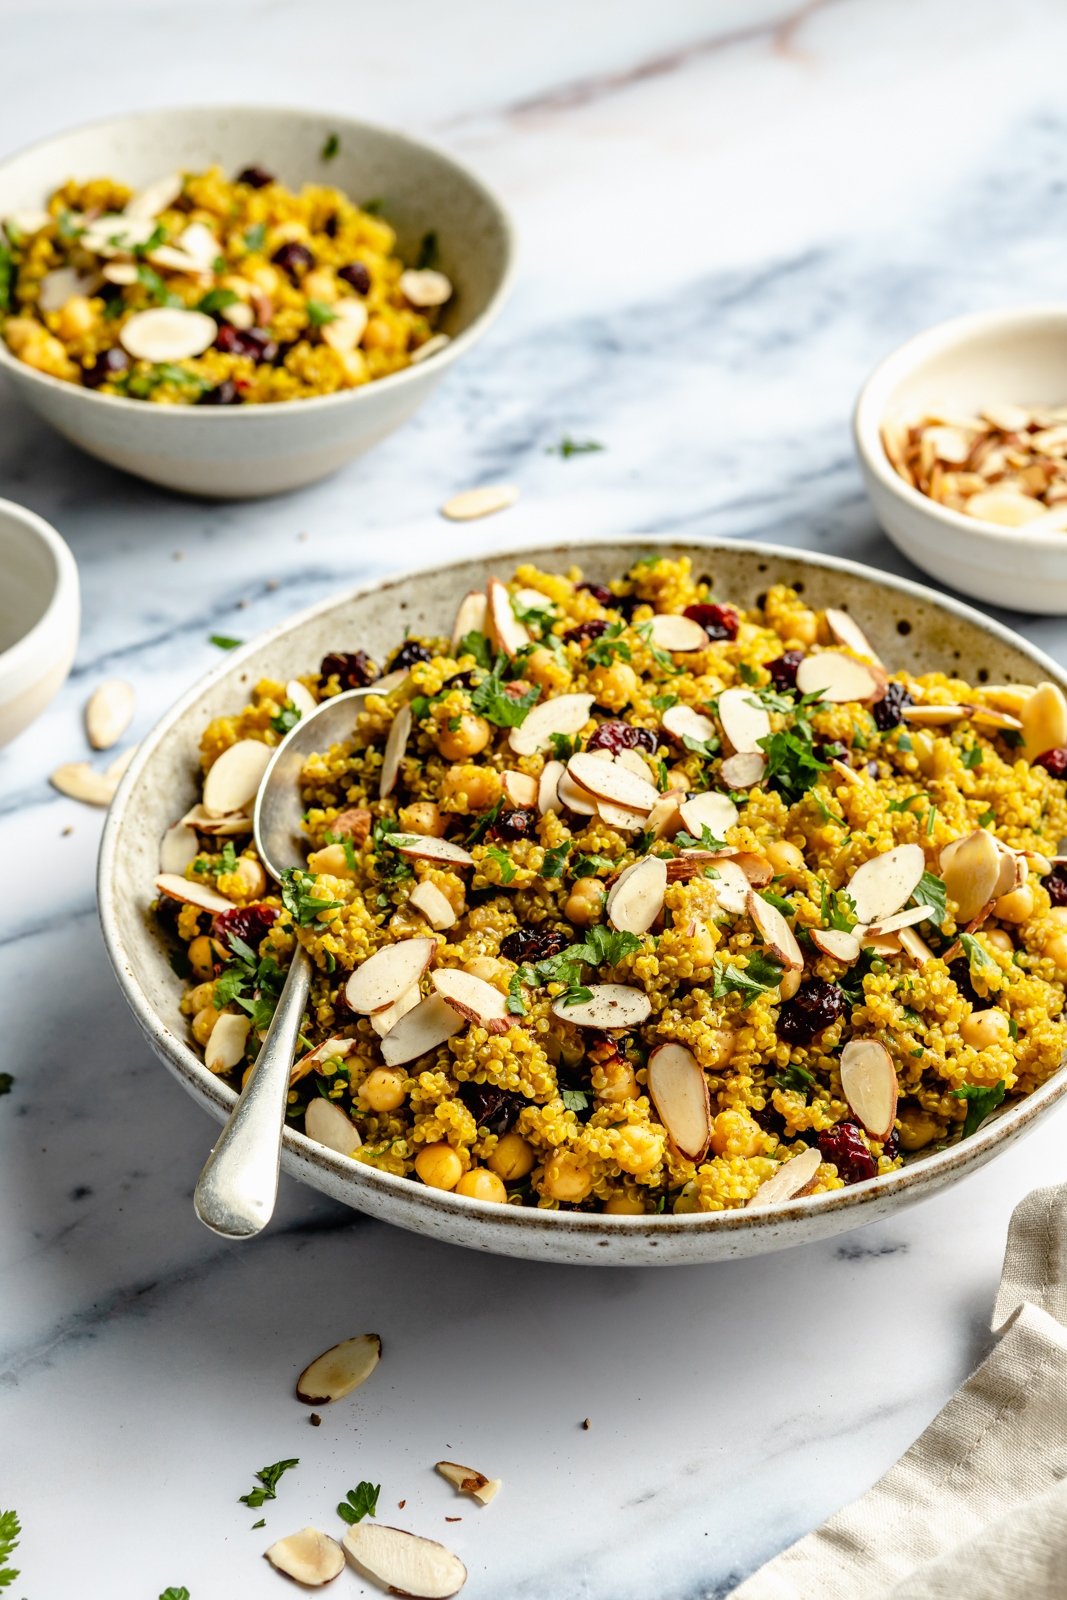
[(473, 998), (348, 326), (165, 333), (234, 778), (425, 1026), (731, 886), (836, 942), (840, 678), (679, 1092), (609, 780), (114, 234), (327, 1124), (424, 288), (482, 502), (520, 789), (709, 810), (155, 197), (79, 781), (433, 903), (109, 713), (432, 347), (468, 1481), (390, 681), (610, 1005), (234, 823), (902, 919), (191, 893), (886, 882), (383, 1022), (339, 1370), (683, 722), (621, 818), (849, 774), (665, 818), (300, 697), (470, 618), (1007, 418), (1009, 697), (308, 1557), (121, 272), (389, 973), (548, 786), (180, 846), (790, 1180), (336, 1046), (934, 716), (916, 946), (847, 631), (505, 629), (424, 847), (226, 1042), (200, 244), (574, 798), (404, 1563), (756, 868), (990, 717), (565, 714), (634, 762), (635, 899), (1044, 720), (395, 746), (775, 932), (882, 944), (239, 315), (1004, 507), (970, 868), (56, 288), (670, 631), (172, 259), (744, 770), (1013, 871), (869, 1084), (744, 722)]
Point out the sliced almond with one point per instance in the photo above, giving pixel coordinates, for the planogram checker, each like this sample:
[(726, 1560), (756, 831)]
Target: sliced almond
[(744, 770), (731, 886), (472, 503), (404, 1563), (192, 893), (709, 810), (849, 774), (226, 1042), (468, 1481), (109, 713), (665, 818), (234, 823), (679, 1091), (620, 818), (634, 762), (165, 333), (1009, 697), (233, 780), (180, 846), (383, 1022), (327, 1124), (902, 919), (79, 781), (239, 315), (308, 1557), (1044, 720), (424, 847), (520, 789), (635, 899), (548, 786), (934, 716), (756, 868), (790, 1180), (56, 288), (869, 1084), (433, 903), (424, 288), (683, 722), (348, 326), (838, 943), (339, 1370), (124, 273), (171, 259), (432, 347), (610, 780), (1013, 873), (744, 722), (473, 998), (1002, 506), (395, 746), (505, 629), (570, 795), (990, 717), (155, 197), (389, 973), (390, 681), (336, 1046), (882, 944), (114, 234), (840, 679), (424, 1027), (611, 1005), (775, 932), (470, 618), (670, 631), (300, 697), (916, 946), (565, 714), (970, 868), (886, 882), (22, 224), (847, 631)]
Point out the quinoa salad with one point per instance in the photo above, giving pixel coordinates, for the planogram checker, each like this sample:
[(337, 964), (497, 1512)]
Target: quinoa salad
[(205, 290), (625, 899)]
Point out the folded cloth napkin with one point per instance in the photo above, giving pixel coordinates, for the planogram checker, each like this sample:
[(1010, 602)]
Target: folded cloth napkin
[(977, 1508)]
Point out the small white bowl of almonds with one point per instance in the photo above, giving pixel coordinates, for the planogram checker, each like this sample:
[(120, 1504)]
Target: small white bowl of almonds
[(962, 440)]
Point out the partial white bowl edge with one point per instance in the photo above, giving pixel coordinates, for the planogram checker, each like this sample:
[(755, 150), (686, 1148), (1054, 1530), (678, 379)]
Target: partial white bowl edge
[(40, 612)]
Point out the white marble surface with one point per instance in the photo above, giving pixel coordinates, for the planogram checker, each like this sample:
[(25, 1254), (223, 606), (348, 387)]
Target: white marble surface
[(728, 212)]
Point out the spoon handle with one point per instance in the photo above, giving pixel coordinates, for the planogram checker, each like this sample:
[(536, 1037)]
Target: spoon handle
[(236, 1191)]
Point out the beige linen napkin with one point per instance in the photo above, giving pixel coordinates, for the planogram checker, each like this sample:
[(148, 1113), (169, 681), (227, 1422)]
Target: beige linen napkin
[(977, 1508)]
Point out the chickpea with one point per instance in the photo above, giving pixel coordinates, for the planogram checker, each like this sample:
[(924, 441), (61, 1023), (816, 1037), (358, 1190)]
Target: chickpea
[(423, 817), (488, 968), (637, 1150), (253, 878), (203, 995), (983, 1028), (785, 858), (541, 668), (614, 686), (76, 318), (439, 1166), (624, 1205), (687, 1202), (1000, 939), (377, 335), (481, 1184), (203, 1023), (789, 985), (585, 903), (804, 626), (1058, 915), (1016, 906), (678, 778), (320, 285), (565, 1178), (512, 1158), (722, 1041), (332, 860), (735, 1134), (468, 739), (383, 1090), (480, 786), (1056, 951), (618, 1080), (922, 747), (202, 955), (917, 1128), (702, 945)]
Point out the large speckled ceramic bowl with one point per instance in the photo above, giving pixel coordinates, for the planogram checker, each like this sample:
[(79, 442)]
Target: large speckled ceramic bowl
[(241, 451), (909, 626)]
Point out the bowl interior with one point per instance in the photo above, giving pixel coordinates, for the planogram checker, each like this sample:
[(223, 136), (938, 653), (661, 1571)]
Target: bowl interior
[(1019, 359), (30, 576)]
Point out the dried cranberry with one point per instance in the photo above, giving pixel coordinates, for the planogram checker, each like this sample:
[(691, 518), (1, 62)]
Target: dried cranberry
[(783, 670), (814, 1006), (533, 944), (891, 1146), (409, 653), (108, 364), (1056, 885), (255, 177), (582, 632), (843, 1145), (293, 258), (492, 1108), (960, 971), (888, 712), (1054, 762), (254, 342), (616, 736), (225, 393), (357, 275), (461, 680), (718, 622), (353, 669), (330, 226), (517, 824), (249, 923), (829, 750), (601, 595)]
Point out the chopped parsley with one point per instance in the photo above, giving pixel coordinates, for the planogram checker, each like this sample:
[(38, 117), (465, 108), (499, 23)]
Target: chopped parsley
[(980, 1102), (748, 674), (552, 866), (568, 447), (319, 313), (484, 823), (931, 819), (182, 1592), (986, 818), (601, 947), (541, 613), (267, 1478), (574, 1099), (256, 236), (286, 719), (931, 892), (360, 1502), (972, 758), (10, 1529), (762, 973), (1013, 1028), (689, 841), (702, 747), (589, 866), (793, 767), (303, 906), (389, 864), (779, 901), (491, 700), (904, 741), (250, 981), (428, 253), (609, 647), (838, 909), (330, 148), (159, 291), (67, 227), (477, 645), (663, 702), (562, 746), (906, 802), (216, 300), (503, 861), (799, 1079), (142, 384), (223, 641), (978, 958)]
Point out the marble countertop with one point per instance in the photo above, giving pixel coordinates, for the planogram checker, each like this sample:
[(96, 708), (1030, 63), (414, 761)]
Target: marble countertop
[(728, 212)]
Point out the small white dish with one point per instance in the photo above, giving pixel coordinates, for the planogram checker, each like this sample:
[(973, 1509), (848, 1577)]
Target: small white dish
[(243, 451), (39, 616), (992, 357)]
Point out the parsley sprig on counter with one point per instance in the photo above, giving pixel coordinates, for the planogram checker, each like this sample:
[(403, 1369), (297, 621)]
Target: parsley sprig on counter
[(267, 1478), (10, 1530), (360, 1502)]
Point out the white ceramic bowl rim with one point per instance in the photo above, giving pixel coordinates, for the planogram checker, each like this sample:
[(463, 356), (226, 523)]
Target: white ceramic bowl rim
[(871, 405), (924, 1174), (236, 415), (17, 656)]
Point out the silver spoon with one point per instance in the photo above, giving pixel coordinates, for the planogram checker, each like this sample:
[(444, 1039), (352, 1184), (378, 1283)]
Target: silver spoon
[(237, 1189)]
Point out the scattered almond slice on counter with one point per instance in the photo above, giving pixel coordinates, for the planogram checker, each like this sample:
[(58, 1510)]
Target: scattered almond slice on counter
[(670, 631), (1044, 720), (155, 197), (970, 868), (838, 943), (432, 347), (384, 1022), (424, 847), (709, 810), (339, 1370), (790, 1181), (683, 722), (308, 1557), (424, 288), (869, 1084), (467, 1481), (635, 899), (300, 697), (388, 974), (233, 780), (519, 789), (226, 1042), (505, 629), (327, 1124), (79, 781), (470, 617), (433, 903), (425, 1026), (165, 333), (470, 504), (775, 932), (403, 1562), (744, 722), (744, 770), (178, 848), (610, 1005), (679, 1092), (566, 715), (335, 1046), (473, 998), (839, 678), (548, 786), (847, 631), (192, 894), (395, 745), (610, 780), (108, 713), (886, 883)]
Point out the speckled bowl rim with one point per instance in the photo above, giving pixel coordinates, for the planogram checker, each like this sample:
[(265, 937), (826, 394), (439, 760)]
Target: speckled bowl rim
[(236, 416), (909, 1183), (16, 657), (870, 413)]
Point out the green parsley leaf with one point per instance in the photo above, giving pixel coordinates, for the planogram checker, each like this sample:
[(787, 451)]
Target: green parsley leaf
[(360, 1502), (330, 148), (663, 702), (931, 892), (576, 995), (391, 867), (516, 1003), (905, 803), (268, 1479), (688, 841), (373, 208), (256, 236), (216, 300), (574, 1099), (568, 447), (1013, 1028), (1012, 737), (477, 645), (142, 384), (748, 674), (552, 865), (760, 975), (491, 700), (838, 909), (158, 289), (702, 747), (980, 1102), (904, 740), (67, 227), (503, 861), (223, 641), (10, 1530), (799, 1079), (227, 858), (428, 253), (779, 901), (484, 823), (6, 1081), (590, 866), (287, 719), (182, 1593), (605, 946), (986, 818), (262, 1523), (793, 767), (562, 746), (972, 758), (302, 905), (319, 313), (931, 819), (609, 647), (978, 958)]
